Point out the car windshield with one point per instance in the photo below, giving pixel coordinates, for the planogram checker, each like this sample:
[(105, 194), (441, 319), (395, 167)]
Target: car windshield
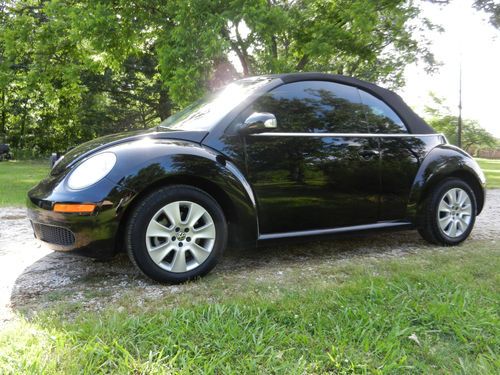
[(208, 111)]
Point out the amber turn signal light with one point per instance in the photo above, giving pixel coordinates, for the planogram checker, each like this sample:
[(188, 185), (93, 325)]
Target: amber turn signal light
[(78, 208)]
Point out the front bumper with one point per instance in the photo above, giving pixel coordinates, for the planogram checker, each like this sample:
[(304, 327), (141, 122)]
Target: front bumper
[(94, 234)]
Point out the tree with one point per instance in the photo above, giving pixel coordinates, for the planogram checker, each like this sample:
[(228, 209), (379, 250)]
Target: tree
[(71, 70), (491, 7), (370, 39), (473, 135)]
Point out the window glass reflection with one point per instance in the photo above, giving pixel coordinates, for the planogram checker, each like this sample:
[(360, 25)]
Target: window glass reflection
[(381, 118), (315, 107)]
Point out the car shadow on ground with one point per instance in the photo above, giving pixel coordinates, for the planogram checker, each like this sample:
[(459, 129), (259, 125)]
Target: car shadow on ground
[(60, 277)]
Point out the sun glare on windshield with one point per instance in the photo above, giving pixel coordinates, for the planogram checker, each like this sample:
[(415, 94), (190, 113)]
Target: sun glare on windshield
[(206, 112)]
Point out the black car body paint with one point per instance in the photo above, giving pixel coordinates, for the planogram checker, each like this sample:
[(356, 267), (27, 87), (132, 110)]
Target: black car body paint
[(270, 185)]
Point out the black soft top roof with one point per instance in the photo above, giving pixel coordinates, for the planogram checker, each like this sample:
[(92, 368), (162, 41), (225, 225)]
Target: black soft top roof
[(415, 124)]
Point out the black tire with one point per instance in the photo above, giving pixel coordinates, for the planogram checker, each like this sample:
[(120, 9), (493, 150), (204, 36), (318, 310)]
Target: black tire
[(135, 232), (427, 222)]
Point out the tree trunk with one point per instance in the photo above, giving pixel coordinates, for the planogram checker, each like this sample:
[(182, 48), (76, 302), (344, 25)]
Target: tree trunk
[(302, 63), (3, 119), (274, 47), (274, 42), (23, 127), (164, 105), (244, 58), (239, 52), (244, 64)]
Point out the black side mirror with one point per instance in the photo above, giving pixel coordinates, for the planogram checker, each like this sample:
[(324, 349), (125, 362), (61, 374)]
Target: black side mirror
[(258, 122)]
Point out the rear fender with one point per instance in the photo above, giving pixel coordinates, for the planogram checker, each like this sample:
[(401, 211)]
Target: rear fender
[(441, 162)]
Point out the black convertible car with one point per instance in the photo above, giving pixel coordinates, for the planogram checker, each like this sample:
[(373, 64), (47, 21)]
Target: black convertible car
[(265, 158)]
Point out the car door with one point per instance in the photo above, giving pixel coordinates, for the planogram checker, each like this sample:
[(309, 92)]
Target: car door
[(317, 169), (400, 155)]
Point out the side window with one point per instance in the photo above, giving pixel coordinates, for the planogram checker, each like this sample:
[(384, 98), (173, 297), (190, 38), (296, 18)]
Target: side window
[(314, 107), (380, 117)]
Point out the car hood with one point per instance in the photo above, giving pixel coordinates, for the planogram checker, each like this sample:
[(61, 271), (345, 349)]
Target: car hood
[(88, 148)]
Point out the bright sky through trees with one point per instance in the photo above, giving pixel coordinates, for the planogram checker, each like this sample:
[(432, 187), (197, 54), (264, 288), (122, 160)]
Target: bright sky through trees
[(467, 32)]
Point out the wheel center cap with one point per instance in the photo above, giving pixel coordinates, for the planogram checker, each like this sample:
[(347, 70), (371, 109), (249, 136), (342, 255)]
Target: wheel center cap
[(181, 236)]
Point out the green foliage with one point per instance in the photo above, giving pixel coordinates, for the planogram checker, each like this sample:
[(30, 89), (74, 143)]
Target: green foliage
[(71, 70), (369, 39), (473, 135), (427, 312), (492, 8)]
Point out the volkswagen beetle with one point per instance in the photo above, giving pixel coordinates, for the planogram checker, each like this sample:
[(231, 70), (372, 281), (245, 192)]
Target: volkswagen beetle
[(264, 158)]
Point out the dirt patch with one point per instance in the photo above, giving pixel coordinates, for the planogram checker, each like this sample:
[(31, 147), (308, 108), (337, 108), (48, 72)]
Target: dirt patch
[(33, 277)]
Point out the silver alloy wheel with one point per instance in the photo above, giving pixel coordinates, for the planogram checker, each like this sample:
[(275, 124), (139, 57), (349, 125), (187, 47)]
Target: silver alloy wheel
[(180, 236), (454, 212)]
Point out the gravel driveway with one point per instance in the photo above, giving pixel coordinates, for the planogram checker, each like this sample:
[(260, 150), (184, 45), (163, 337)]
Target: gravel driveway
[(29, 273)]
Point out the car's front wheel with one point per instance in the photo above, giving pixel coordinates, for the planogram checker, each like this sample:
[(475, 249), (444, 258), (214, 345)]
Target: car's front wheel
[(176, 233), (448, 213)]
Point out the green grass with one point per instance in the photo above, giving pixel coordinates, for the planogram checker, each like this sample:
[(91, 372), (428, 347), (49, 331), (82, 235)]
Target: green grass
[(428, 312), (352, 316), (17, 177), (491, 169)]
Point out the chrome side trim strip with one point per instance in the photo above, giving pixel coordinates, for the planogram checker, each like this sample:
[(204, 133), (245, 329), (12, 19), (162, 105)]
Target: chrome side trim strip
[(344, 135), (303, 233)]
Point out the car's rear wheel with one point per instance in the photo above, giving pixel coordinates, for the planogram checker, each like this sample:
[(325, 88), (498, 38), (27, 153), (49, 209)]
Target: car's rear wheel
[(176, 233), (448, 213)]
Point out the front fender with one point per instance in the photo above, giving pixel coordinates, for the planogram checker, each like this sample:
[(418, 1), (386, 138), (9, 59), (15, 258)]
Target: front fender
[(144, 165), (445, 161)]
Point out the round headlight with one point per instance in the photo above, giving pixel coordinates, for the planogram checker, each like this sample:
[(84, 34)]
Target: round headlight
[(92, 170)]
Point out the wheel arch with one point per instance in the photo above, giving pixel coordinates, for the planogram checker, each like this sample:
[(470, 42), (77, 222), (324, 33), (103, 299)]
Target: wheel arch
[(239, 233), (443, 162), (465, 175)]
